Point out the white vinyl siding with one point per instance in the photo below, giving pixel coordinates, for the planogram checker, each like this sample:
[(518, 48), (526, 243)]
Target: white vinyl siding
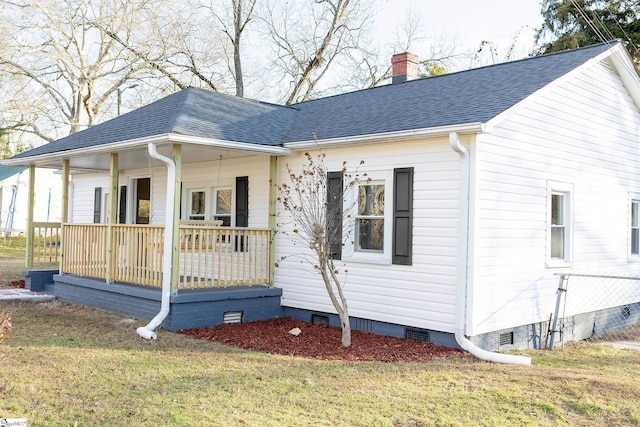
[(82, 194), (208, 174), (420, 295), (581, 131)]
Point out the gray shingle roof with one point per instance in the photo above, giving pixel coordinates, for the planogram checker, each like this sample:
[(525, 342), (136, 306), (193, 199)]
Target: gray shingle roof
[(193, 112), (473, 96)]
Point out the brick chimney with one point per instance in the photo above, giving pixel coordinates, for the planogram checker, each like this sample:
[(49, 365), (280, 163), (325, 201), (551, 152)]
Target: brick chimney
[(404, 67)]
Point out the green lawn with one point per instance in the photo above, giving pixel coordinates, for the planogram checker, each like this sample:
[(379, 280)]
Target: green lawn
[(65, 366)]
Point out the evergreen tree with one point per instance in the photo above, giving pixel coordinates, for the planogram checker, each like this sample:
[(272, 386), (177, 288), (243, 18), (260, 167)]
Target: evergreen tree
[(576, 23)]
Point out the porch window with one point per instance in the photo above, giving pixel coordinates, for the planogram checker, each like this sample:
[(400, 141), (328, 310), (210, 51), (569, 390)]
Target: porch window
[(223, 206), (142, 200), (198, 203), (224, 202), (635, 228)]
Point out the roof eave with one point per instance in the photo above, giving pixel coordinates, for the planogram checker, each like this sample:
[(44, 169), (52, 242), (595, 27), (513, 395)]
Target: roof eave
[(404, 135), (167, 138), (621, 61)]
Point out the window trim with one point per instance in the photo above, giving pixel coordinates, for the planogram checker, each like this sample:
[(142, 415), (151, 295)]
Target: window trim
[(358, 217), (566, 190), (349, 252), (190, 194), (214, 201), (634, 198), (210, 190)]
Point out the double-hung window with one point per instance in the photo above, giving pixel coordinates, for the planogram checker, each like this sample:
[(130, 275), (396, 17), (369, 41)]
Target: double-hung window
[(227, 202), (380, 211), (197, 205), (634, 249), (369, 225), (559, 225), (223, 206)]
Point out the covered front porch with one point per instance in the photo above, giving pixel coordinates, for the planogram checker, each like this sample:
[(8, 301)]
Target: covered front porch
[(217, 273), (176, 198)]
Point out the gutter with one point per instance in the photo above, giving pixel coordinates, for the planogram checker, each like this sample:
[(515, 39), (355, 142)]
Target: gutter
[(147, 332), (463, 261)]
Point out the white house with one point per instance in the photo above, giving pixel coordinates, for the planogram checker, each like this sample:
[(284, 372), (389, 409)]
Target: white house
[(488, 183)]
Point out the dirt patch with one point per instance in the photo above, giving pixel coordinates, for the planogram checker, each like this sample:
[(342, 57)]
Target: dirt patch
[(320, 342)]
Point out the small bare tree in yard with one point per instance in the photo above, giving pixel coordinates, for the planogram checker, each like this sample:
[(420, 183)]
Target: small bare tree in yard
[(316, 221)]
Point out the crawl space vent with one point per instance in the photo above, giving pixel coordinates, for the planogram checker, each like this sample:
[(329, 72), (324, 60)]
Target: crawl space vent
[(232, 317), (318, 319), (506, 338), (416, 335)]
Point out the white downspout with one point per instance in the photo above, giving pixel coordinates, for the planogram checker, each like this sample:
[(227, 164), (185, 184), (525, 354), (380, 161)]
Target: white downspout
[(463, 260), (147, 331)]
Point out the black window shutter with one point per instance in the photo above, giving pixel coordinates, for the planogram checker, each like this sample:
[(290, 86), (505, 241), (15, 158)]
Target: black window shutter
[(122, 208), (402, 216), (242, 201), (334, 213), (97, 204)]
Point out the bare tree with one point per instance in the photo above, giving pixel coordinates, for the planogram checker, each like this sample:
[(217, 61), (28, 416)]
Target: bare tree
[(316, 221), (169, 40), (309, 37), (62, 71), (234, 28), (372, 67)]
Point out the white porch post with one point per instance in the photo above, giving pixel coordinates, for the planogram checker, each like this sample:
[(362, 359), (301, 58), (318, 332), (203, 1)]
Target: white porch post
[(273, 197), (113, 213), (175, 217), (64, 214), (30, 208)]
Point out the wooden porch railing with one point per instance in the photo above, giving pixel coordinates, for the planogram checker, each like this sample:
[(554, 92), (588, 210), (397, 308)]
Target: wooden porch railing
[(208, 256), (84, 250), (46, 244), (223, 256), (137, 254)]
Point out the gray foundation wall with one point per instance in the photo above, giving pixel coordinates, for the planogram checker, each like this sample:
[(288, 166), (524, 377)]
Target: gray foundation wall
[(39, 280), (376, 327), (202, 308), (570, 328), (191, 309)]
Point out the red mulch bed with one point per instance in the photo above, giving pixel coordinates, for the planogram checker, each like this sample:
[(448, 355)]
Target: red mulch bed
[(320, 342), (17, 284)]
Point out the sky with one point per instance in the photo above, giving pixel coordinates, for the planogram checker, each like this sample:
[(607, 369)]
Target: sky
[(467, 23)]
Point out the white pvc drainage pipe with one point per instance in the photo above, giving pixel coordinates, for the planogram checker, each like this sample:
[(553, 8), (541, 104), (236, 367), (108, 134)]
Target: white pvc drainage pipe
[(461, 284), (147, 331)]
